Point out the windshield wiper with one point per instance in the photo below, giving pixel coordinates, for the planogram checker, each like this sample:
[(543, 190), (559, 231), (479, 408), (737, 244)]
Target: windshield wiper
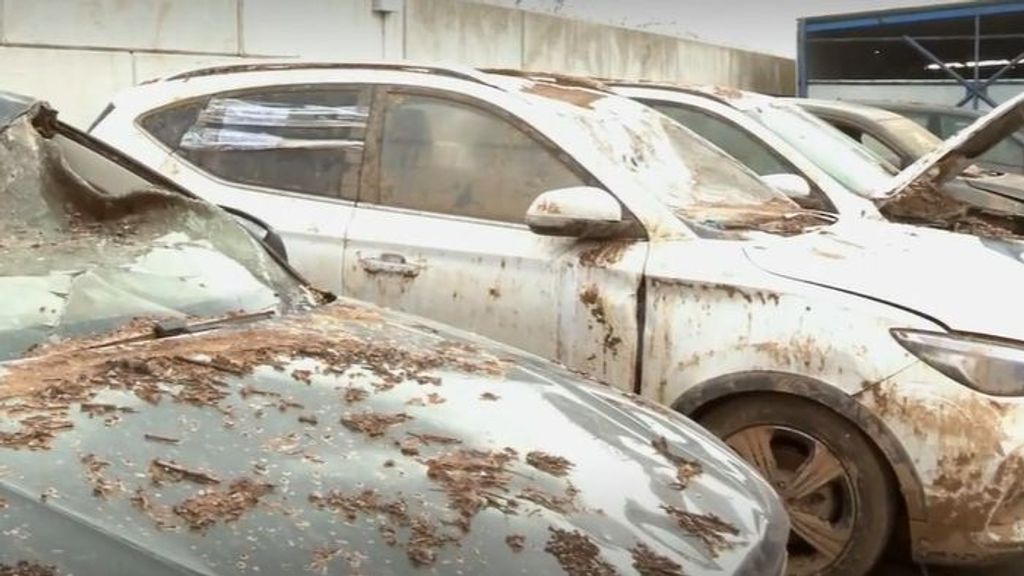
[(178, 327)]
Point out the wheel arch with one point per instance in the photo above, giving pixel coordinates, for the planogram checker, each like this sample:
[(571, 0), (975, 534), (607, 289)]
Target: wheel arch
[(702, 396)]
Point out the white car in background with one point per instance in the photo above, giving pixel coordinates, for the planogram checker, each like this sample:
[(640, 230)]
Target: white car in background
[(871, 371), (774, 136)]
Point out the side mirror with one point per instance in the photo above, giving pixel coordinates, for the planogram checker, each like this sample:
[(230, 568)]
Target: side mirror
[(580, 211), (791, 185)]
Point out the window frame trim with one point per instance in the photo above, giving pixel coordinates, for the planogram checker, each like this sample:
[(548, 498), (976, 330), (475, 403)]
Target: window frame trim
[(370, 178), (173, 152)]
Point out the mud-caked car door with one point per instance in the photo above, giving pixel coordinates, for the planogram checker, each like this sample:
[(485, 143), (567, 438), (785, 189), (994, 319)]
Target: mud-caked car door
[(439, 231), (289, 155)]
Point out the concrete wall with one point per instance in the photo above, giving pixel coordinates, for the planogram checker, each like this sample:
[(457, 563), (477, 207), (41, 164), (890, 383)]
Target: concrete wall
[(452, 30), (77, 53)]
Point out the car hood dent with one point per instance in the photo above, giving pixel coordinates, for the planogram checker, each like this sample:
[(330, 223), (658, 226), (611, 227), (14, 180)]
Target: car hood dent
[(245, 447), (959, 151), (964, 282)]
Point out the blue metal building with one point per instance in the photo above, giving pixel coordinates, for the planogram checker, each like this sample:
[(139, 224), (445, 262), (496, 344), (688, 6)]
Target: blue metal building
[(966, 54)]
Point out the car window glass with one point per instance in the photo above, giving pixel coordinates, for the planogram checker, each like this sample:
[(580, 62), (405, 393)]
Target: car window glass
[(302, 140), (880, 148), (443, 156), (737, 143)]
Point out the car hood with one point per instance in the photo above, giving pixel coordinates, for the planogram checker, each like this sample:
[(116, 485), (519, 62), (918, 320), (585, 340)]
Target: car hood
[(967, 283), (958, 152), (352, 439)]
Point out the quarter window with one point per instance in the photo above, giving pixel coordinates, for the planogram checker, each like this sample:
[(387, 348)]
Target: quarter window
[(297, 139), (443, 156)]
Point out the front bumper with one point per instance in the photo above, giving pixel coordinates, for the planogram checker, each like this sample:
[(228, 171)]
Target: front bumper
[(967, 449)]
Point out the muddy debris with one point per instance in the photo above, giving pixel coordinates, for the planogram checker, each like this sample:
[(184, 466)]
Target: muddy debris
[(355, 394), (101, 486), (161, 515), (685, 469), (374, 424), (24, 568), (207, 507), (489, 397), (367, 501), (424, 537), (161, 439), (169, 472), (310, 419), (647, 562), (554, 465), (516, 542), (304, 376), (561, 504), (200, 370), (577, 554), (408, 446), (472, 480), (708, 528)]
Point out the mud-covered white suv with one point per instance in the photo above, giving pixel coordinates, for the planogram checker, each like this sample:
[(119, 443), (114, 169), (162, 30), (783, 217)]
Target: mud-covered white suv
[(871, 371)]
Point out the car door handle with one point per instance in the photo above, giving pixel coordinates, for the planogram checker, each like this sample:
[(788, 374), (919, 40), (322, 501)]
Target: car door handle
[(389, 263)]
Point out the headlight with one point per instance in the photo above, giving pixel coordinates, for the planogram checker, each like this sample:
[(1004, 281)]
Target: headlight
[(991, 365)]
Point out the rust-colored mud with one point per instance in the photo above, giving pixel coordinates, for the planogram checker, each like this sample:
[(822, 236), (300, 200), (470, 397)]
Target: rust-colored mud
[(605, 253), (554, 465), (208, 507), (472, 480), (708, 528), (373, 424), (577, 555), (576, 96), (647, 562), (516, 542), (24, 568)]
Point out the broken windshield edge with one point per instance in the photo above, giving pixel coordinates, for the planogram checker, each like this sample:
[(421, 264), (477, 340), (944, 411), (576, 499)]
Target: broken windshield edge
[(77, 258)]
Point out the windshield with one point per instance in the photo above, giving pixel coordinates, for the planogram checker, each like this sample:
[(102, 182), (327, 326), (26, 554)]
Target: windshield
[(853, 165), (87, 245), (690, 175)]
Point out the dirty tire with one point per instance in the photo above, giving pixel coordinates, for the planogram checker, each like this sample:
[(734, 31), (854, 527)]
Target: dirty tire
[(843, 527)]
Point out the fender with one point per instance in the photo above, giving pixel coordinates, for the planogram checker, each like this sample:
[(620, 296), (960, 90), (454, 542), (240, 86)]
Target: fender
[(703, 395)]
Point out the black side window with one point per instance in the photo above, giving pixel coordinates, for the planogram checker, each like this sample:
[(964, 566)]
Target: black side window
[(303, 139), (444, 156)]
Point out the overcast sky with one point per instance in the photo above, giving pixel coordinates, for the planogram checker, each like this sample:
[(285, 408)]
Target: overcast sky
[(761, 25)]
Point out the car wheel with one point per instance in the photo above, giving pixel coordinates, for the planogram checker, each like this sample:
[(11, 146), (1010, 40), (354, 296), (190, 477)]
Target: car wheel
[(831, 479)]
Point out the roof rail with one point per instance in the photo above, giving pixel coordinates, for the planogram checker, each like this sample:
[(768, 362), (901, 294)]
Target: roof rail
[(462, 74), (711, 91), (558, 78)]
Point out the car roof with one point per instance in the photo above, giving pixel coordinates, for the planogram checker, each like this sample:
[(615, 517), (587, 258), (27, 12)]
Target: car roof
[(845, 108), (898, 106)]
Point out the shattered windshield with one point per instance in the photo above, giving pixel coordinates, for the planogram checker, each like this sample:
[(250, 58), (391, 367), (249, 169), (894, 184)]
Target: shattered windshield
[(87, 245), (853, 165)]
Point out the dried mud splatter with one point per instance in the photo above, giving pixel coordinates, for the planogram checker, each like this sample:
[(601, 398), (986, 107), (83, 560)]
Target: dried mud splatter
[(685, 469), (647, 562), (554, 465), (576, 554), (207, 507), (708, 528)]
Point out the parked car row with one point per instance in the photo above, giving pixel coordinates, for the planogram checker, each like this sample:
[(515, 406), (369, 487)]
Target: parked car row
[(848, 329)]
